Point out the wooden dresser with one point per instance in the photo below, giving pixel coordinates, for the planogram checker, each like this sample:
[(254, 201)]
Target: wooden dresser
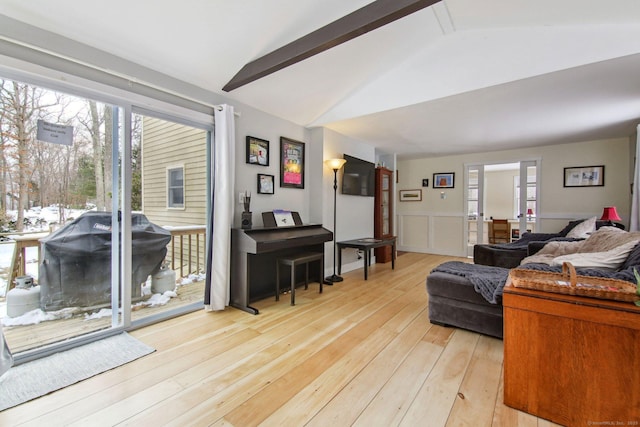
[(572, 360)]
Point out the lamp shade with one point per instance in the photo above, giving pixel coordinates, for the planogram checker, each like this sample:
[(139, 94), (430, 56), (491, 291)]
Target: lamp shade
[(529, 211), (610, 214), (335, 164)]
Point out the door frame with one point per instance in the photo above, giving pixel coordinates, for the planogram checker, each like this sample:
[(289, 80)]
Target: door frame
[(524, 163)]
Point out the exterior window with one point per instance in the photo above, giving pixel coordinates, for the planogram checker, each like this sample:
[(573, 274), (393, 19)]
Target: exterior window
[(175, 183)]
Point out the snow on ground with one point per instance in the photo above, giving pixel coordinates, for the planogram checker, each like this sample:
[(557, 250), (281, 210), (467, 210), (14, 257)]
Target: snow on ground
[(41, 219), (34, 317)]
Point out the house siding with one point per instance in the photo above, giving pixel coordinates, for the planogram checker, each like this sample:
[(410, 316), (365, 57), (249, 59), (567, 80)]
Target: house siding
[(165, 145)]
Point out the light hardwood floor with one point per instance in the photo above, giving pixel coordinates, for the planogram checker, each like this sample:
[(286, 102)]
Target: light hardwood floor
[(362, 353)]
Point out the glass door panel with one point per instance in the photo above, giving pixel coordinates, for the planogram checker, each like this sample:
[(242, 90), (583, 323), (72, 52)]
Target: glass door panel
[(386, 229), (528, 197), (474, 201), (169, 174), (57, 178)]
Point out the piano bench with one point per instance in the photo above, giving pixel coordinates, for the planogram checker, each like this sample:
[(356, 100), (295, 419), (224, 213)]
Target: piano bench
[(293, 261)]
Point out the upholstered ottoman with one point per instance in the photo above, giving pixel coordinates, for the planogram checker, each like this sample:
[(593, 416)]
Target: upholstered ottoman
[(453, 301)]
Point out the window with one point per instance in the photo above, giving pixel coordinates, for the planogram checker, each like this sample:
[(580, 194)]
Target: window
[(175, 187)]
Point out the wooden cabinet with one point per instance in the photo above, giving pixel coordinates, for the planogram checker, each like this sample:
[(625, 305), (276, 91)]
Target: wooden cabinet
[(572, 360), (383, 214)]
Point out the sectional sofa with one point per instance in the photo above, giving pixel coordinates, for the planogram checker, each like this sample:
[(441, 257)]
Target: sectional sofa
[(509, 255), (469, 296)]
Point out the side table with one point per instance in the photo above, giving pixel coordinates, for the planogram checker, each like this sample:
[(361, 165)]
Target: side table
[(366, 245)]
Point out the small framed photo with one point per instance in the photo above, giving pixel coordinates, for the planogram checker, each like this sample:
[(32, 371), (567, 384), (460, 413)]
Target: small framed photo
[(584, 176), (411, 195), (425, 182), (265, 184), (291, 163), (443, 180), (257, 151)]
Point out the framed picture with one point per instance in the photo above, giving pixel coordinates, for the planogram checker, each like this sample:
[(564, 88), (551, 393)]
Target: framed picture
[(584, 176), (425, 182), (291, 163), (265, 184), (257, 151), (411, 195), (443, 180)]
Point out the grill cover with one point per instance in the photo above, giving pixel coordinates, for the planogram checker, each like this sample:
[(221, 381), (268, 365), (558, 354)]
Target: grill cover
[(76, 260)]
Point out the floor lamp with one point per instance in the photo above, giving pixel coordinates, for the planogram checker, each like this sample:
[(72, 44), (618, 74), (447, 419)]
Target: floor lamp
[(334, 164)]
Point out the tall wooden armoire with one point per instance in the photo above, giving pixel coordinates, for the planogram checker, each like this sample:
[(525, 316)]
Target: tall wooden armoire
[(382, 217)]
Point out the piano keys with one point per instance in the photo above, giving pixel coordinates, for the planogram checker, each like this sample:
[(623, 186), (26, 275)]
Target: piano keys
[(253, 259)]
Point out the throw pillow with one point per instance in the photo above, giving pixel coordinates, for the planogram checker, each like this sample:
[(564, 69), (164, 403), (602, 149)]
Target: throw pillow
[(569, 227), (582, 230)]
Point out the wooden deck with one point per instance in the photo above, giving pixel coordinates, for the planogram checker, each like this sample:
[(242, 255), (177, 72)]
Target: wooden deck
[(362, 353), (186, 256), (21, 338)]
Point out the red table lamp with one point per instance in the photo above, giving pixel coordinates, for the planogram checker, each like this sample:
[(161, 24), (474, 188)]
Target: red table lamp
[(610, 214), (529, 213)]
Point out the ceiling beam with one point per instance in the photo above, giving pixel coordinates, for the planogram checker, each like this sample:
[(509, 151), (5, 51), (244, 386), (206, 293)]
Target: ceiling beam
[(363, 20)]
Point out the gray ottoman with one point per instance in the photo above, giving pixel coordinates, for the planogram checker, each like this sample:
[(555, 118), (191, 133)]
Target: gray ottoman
[(454, 302)]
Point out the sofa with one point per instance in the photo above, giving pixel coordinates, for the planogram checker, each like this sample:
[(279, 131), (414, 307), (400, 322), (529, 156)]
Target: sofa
[(509, 255), (469, 296)]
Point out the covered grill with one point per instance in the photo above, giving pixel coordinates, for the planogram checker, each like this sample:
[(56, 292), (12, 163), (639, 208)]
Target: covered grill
[(76, 260)]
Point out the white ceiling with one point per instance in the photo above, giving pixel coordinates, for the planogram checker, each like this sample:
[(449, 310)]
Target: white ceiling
[(461, 76)]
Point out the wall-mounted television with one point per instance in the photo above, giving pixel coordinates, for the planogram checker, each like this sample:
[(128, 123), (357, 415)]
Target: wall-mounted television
[(358, 177)]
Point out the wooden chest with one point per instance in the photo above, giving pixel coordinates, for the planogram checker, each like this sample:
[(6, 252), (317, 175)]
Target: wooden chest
[(572, 360)]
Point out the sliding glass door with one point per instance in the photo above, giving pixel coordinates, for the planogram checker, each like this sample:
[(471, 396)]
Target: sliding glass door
[(102, 216)]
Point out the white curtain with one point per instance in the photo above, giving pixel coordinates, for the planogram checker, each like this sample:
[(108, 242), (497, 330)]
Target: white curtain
[(634, 223), (6, 359), (221, 221)]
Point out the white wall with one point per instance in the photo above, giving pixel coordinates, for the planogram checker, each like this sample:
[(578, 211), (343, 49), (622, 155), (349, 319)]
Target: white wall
[(436, 225), (315, 201), (354, 213), (499, 194), (256, 123)]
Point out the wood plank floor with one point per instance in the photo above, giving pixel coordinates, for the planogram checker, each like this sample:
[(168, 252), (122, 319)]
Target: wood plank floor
[(363, 353)]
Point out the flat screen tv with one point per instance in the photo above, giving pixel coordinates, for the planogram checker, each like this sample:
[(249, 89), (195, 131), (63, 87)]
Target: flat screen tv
[(358, 177)]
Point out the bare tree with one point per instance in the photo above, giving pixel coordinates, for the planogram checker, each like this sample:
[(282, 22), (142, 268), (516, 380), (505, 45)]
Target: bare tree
[(31, 169), (20, 103), (108, 156), (100, 127), (94, 131)]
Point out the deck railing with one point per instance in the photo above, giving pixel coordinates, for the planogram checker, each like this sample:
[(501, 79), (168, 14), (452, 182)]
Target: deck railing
[(185, 252)]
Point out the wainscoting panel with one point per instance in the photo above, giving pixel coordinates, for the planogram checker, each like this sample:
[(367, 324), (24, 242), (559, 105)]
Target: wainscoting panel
[(413, 232), (440, 234), (447, 235)]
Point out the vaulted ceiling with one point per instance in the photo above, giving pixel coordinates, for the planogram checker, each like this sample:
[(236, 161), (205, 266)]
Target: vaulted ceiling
[(459, 76)]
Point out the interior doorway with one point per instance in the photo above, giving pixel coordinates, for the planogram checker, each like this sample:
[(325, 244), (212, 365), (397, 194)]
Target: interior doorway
[(500, 191)]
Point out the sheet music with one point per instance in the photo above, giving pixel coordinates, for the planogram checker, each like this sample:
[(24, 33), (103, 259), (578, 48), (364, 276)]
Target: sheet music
[(283, 218)]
